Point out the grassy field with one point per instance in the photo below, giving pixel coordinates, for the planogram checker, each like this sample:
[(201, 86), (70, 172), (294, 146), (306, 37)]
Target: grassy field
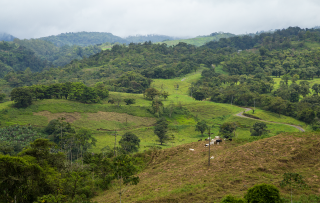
[(180, 175), (270, 116), (198, 41), (104, 118)]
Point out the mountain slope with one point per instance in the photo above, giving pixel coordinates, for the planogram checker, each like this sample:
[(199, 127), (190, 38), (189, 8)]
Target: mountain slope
[(6, 37), (83, 38), (180, 175), (199, 41), (146, 38)]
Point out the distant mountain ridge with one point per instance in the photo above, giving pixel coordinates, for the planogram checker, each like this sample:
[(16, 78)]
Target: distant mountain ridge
[(6, 37), (83, 38)]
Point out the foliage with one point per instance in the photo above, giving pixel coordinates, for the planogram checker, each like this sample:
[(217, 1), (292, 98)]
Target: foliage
[(263, 193), (14, 138), (161, 130), (201, 126), (18, 58), (129, 142), (294, 180), (258, 129), (21, 96), (231, 199), (83, 38), (57, 55), (227, 129), (151, 93), (129, 101)]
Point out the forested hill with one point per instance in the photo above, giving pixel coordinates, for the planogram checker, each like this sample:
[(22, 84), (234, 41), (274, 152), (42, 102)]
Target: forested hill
[(147, 38), (58, 56), (6, 37), (278, 39), (18, 58), (83, 38), (123, 68)]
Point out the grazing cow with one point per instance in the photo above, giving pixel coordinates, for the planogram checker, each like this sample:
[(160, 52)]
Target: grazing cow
[(199, 140), (191, 149), (230, 139)]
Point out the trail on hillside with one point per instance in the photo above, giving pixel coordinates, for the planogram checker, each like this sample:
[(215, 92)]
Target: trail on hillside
[(240, 114)]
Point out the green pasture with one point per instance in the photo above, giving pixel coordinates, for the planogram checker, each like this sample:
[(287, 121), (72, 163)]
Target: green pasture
[(270, 116)]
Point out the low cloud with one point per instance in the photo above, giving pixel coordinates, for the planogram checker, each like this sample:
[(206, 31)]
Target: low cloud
[(38, 18)]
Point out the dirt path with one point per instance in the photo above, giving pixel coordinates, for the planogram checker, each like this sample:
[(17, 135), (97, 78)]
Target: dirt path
[(240, 114)]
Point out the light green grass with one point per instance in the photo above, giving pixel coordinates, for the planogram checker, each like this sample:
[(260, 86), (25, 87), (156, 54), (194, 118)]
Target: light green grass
[(198, 41), (270, 116), (5, 105)]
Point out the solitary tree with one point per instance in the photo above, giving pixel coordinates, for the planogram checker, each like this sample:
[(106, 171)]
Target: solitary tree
[(263, 193), (258, 129), (21, 96), (161, 130), (294, 180), (202, 127), (129, 101), (151, 93), (129, 142), (227, 130)]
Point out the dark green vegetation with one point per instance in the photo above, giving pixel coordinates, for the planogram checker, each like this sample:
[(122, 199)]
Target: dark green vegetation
[(57, 55), (23, 96), (83, 38), (18, 58)]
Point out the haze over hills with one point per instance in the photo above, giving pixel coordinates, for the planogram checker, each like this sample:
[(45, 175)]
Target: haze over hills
[(6, 37)]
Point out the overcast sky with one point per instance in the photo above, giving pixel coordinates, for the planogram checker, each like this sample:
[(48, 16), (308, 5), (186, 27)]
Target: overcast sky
[(39, 18)]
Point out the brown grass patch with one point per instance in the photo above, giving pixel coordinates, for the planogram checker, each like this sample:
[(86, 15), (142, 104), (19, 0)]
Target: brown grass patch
[(108, 116), (70, 117), (178, 174), (120, 117)]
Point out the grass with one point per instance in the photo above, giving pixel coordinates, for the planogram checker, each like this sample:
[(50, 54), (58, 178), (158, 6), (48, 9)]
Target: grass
[(180, 175), (102, 119), (270, 116), (197, 41)]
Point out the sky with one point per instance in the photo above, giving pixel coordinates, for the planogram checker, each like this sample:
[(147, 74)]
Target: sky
[(40, 18)]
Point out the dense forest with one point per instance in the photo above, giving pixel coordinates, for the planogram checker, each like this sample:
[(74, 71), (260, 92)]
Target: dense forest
[(123, 68), (19, 58), (58, 56), (83, 38)]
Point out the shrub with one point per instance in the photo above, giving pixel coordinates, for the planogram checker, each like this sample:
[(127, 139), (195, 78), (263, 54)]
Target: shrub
[(263, 193)]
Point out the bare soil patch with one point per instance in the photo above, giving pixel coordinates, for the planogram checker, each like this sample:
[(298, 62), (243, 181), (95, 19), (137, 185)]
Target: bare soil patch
[(108, 116), (70, 117), (120, 117)]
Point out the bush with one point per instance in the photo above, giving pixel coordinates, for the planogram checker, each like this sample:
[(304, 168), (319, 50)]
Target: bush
[(232, 199), (263, 193)]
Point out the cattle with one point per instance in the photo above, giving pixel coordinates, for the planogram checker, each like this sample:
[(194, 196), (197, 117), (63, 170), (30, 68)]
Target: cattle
[(199, 140), (191, 149)]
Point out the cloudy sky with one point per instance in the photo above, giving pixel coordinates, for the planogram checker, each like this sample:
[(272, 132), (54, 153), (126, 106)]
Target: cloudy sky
[(38, 18)]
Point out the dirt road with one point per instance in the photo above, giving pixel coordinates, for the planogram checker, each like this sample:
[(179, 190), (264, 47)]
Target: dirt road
[(240, 114)]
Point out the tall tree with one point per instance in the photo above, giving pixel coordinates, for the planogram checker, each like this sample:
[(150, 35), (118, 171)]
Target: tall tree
[(161, 130)]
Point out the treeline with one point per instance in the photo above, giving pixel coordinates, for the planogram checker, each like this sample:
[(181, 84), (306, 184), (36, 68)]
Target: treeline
[(303, 63), (19, 58), (257, 89), (58, 56), (278, 39), (83, 38), (77, 91)]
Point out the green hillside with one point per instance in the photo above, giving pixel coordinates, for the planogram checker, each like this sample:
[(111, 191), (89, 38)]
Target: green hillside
[(83, 38), (198, 41)]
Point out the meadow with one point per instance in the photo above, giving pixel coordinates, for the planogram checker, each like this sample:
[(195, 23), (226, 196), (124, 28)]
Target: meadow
[(104, 119)]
